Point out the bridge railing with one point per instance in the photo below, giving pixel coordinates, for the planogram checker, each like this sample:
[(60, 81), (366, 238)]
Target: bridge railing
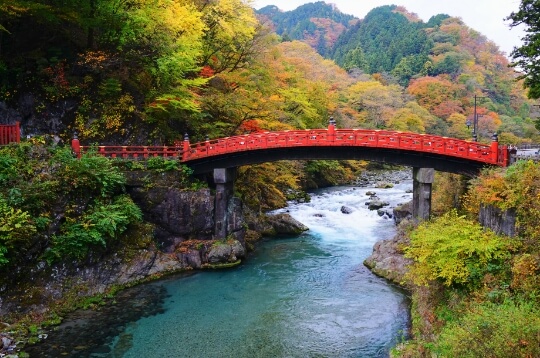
[(132, 152), (10, 133), (350, 137), (492, 154)]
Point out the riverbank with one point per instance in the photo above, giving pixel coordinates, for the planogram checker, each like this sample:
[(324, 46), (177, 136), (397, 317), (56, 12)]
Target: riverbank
[(311, 288)]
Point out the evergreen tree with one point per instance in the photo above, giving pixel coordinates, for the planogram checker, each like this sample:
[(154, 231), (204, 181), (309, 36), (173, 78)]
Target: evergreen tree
[(526, 57)]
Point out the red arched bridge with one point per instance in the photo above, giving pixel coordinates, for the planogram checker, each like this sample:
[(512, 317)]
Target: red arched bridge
[(421, 151), (410, 149)]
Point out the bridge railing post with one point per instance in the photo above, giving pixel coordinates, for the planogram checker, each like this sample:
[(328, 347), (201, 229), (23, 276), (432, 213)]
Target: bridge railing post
[(331, 130), (495, 148), (76, 146), (185, 147)]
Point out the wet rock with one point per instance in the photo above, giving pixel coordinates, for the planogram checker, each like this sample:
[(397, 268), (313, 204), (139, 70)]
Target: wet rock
[(387, 214), (387, 259), (370, 193), (377, 204), (222, 252), (346, 210), (284, 224), (385, 185), (402, 212)]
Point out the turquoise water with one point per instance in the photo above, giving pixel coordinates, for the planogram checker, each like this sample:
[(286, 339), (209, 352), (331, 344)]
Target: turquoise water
[(308, 296)]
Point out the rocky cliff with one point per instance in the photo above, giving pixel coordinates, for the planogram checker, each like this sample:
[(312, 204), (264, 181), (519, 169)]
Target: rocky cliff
[(181, 225)]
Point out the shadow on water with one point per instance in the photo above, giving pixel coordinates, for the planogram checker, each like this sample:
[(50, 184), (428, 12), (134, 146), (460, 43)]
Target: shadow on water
[(86, 333)]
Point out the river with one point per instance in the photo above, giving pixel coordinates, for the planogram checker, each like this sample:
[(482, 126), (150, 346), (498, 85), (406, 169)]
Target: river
[(308, 296)]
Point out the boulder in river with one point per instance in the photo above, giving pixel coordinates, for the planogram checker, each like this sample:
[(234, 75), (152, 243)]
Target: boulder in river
[(387, 259), (346, 210), (402, 212), (284, 224), (377, 204)]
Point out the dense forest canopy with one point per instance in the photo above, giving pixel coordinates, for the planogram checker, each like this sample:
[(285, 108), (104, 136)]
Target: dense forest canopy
[(149, 71), (442, 63)]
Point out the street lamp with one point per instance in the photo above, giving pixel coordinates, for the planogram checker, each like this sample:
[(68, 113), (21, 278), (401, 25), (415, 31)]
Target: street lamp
[(332, 122)]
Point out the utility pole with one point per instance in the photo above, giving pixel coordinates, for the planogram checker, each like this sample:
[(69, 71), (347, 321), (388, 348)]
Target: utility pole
[(475, 120)]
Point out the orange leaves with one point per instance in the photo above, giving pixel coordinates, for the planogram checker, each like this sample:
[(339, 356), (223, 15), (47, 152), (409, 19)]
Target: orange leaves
[(250, 126), (432, 91), (206, 72)]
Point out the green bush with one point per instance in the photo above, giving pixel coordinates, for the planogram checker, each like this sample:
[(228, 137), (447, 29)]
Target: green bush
[(491, 330), (161, 164), (16, 229), (92, 174), (454, 250), (99, 226)]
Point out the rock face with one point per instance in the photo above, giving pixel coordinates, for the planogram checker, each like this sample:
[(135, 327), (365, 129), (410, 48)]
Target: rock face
[(183, 222), (34, 123), (284, 224), (387, 258), (178, 214), (502, 222)]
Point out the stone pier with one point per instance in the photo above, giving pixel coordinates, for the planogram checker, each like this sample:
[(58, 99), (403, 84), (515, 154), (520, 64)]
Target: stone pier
[(422, 183), (224, 180)]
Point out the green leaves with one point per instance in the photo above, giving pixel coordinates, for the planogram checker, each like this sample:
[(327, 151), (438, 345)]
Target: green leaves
[(492, 330), (16, 229), (453, 250), (96, 228), (94, 173)]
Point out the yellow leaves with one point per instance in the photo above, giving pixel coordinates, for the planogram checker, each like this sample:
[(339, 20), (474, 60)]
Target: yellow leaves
[(453, 250), (405, 120), (525, 272), (233, 17)]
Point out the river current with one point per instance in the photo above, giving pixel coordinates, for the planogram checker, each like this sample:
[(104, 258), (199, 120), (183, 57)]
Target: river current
[(308, 296)]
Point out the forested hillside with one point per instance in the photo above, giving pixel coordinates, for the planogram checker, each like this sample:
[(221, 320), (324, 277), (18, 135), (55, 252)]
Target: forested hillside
[(442, 63), (319, 24), (150, 71)]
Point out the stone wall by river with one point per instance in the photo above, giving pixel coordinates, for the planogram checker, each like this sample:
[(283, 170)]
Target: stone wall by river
[(183, 225)]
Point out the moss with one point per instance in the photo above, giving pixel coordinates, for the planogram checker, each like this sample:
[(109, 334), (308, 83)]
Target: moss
[(222, 265)]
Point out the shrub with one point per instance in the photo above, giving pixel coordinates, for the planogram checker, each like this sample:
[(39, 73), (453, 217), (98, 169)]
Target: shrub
[(491, 330), (92, 174), (454, 250), (517, 187), (95, 229), (16, 229)]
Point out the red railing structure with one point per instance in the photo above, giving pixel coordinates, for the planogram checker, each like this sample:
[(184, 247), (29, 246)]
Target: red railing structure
[(331, 137), (10, 133), (489, 154)]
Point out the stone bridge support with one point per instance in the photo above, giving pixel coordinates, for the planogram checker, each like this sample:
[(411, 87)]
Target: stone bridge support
[(224, 180), (422, 183)]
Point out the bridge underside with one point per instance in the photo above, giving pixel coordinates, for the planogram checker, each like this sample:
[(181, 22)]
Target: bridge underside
[(382, 155)]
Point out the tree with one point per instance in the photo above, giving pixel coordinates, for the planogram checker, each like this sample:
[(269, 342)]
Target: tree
[(527, 56)]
